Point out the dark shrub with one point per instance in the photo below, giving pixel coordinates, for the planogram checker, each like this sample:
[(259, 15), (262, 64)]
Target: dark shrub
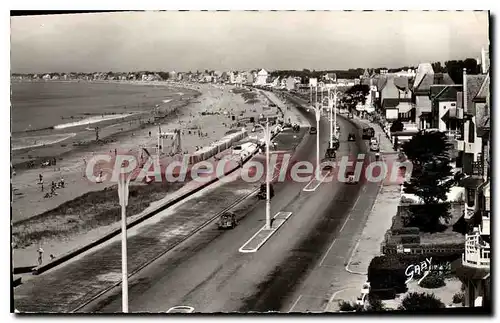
[(349, 307), (409, 238), (386, 272), (420, 302), (432, 281), (375, 304), (458, 298), (407, 230), (384, 294), (426, 216)]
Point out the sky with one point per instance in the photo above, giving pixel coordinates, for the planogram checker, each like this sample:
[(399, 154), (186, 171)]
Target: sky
[(190, 41)]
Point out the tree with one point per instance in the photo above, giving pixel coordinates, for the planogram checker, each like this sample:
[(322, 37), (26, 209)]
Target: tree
[(455, 68), (431, 178), (356, 94), (420, 302)]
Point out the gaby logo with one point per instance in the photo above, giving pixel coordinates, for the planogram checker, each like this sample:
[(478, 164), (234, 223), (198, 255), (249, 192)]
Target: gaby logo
[(423, 267)]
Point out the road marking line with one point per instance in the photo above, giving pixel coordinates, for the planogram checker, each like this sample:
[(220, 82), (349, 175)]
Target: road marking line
[(315, 187), (295, 303), (350, 259), (271, 232), (352, 209), (327, 252), (335, 294)]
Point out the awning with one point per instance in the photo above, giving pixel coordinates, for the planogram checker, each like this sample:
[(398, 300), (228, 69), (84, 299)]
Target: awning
[(404, 107)]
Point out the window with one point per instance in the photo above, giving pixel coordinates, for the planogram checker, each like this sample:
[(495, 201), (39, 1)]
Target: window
[(472, 132), (471, 196), (453, 104)]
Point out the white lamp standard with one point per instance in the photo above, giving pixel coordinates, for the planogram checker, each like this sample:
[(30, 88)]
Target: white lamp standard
[(317, 110), (123, 184), (267, 139), (330, 107), (335, 110)]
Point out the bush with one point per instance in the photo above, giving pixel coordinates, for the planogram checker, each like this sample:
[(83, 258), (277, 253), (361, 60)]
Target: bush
[(420, 302), (409, 238), (407, 230), (387, 272), (427, 217), (432, 281), (375, 304), (348, 307), (383, 294), (458, 298)]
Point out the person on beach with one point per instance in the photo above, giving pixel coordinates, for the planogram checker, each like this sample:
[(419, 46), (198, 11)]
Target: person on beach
[(40, 256), (62, 182), (40, 178), (84, 166)]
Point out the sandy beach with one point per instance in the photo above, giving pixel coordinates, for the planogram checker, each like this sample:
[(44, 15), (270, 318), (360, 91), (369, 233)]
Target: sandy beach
[(203, 121)]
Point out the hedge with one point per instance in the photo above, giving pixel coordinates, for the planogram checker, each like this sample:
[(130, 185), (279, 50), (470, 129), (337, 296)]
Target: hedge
[(409, 238), (383, 293), (432, 281), (407, 230), (387, 272)]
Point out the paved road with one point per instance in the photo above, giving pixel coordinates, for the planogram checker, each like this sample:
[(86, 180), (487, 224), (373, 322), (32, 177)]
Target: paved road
[(208, 272)]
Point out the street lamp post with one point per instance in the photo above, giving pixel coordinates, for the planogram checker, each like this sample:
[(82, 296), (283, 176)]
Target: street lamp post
[(335, 110), (123, 184), (330, 107), (267, 139), (317, 110)]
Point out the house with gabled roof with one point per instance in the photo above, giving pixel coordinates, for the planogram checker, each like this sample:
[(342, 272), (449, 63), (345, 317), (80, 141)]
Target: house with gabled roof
[(445, 115), (424, 78), (475, 265)]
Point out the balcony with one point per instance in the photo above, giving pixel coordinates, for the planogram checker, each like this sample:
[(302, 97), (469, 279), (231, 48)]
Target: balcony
[(477, 252), (484, 227)]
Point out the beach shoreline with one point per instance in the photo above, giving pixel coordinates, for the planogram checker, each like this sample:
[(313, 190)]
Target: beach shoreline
[(199, 129)]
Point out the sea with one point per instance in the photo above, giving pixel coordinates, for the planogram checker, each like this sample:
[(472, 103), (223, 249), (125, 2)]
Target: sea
[(40, 105)]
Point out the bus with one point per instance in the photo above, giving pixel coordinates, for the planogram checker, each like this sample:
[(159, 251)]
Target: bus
[(368, 133)]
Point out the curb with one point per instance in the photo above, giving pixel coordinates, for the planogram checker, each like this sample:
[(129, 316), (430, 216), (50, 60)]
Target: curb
[(71, 254), (16, 281), (23, 270)]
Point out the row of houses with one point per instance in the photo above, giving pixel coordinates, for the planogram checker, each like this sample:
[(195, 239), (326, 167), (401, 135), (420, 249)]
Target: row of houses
[(431, 100)]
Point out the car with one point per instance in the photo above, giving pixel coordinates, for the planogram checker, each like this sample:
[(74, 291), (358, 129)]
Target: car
[(181, 309), (262, 192), (330, 154), (351, 137), (313, 131), (374, 146), (227, 221), (351, 179)]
